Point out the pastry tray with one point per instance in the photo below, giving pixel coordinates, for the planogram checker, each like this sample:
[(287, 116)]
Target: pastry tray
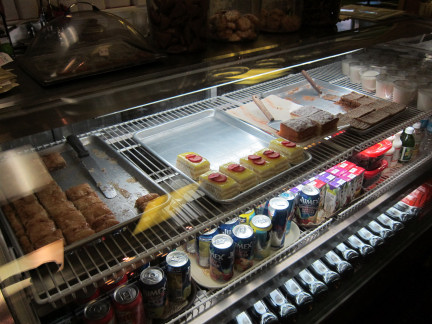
[(213, 134), (303, 94), (129, 182), (202, 275)]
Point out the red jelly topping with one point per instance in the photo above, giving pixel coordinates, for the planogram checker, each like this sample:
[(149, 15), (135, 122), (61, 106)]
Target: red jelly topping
[(218, 177), (259, 162), (194, 158), (288, 144), (271, 154), (254, 157), (236, 167)]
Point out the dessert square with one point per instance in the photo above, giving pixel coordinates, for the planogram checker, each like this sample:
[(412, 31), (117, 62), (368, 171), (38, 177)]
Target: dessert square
[(324, 121), (393, 108), (298, 130), (219, 185), (53, 161), (304, 111), (279, 161), (360, 111), (291, 150), (374, 117), (351, 99), (245, 177), (192, 164), (262, 168)]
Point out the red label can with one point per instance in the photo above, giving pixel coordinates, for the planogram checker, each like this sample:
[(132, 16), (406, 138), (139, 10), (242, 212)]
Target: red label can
[(99, 312), (128, 304), (114, 283)]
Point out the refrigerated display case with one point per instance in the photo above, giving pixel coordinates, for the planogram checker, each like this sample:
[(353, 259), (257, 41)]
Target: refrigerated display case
[(113, 109)]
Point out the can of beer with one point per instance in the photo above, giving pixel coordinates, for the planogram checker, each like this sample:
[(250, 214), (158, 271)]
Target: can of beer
[(178, 269), (309, 199), (247, 216), (128, 304), (293, 205), (261, 224), (111, 284), (278, 211), (222, 258), (227, 227), (154, 290), (244, 240), (87, 294), (203, 247), (99, 312)]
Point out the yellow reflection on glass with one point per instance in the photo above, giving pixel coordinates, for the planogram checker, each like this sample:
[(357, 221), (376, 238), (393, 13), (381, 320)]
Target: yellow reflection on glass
[(21, 173), (157, 211)]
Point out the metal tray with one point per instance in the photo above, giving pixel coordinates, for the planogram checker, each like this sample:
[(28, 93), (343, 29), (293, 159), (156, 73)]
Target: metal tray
[(303, 94), (129, 182), (214, 134)]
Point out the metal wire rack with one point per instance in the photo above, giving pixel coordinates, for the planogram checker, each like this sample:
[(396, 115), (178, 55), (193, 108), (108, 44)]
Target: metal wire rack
[(122, 251)]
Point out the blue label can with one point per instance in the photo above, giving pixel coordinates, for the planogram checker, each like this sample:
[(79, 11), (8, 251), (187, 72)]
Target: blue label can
[(244, 239), (203, 247), (278, 211), (261, 224), (178, 276), (293, 205), (222, 258), (309, 199), (153, 282), (226, 228)]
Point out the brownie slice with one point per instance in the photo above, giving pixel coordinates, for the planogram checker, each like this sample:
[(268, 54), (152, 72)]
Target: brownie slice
[(358, 124), (374, 117), (351, 99), (365, 100), (304, 111), (298, 129), (324, 121), (360, 111), (393, 108)]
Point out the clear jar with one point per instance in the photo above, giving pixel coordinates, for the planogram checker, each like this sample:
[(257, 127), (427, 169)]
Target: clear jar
[(280, 16), (178, 26), (321, 12), (233, 20), (384, 86), (404, 91)]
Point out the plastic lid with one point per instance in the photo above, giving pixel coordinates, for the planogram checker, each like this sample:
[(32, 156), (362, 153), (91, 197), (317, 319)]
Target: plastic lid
[(417, 125), (378, 149), (409, 130)]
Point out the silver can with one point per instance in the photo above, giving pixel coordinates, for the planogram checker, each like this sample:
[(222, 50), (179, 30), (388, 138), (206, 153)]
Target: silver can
[(179, 276), (278, 210), (244, 241), (261, 224), (222, 258), (203, 247)]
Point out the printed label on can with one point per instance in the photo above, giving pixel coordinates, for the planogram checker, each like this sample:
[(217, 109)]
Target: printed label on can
[(221, 258), (179, 276), (244, 240), (154, 290), (309, 199)]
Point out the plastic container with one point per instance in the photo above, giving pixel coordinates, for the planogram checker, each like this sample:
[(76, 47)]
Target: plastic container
[(178, 26), (370, 159), (280, 16), (371, 177), (233, 20)]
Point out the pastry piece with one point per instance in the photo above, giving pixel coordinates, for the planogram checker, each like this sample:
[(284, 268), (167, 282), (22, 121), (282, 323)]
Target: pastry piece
[(49, 238), (278, 161), (360, 111), (351, 99), (293, 152), (304, 111), (53, 161), (142, 202), (298, 130), (93, 212), (359, 124), (87, 201), (79, 191), (219, 185), (393, 108), (192, 164), (324, 121), (245, 177), (51, 193), (262, 168), (374, 117), (365, 100)]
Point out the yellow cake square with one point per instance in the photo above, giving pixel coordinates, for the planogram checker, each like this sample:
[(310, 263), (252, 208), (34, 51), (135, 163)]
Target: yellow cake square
[(245, 177), (219, 185), (294, 152), (279, 161), (262, 168), (192, 164)]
